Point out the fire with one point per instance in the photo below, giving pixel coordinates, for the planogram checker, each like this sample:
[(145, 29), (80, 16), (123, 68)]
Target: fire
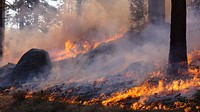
[(73, 48), (163, 88), (147, 90), (51, 98), (194, 55), (29, 95)]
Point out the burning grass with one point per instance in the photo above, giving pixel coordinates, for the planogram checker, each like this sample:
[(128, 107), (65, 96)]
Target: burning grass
[(158, 93), (18, 103), (73, 48), (37, 104), (164, 93)]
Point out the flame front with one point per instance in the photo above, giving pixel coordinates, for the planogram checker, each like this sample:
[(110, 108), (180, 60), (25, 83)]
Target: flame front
[(73, 48), (163, 88)]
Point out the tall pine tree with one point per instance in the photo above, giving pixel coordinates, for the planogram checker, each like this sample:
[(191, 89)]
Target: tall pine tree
[(178, 47)]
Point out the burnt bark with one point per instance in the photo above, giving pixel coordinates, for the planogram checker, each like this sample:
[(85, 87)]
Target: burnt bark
[(178, 47), (2, 25)]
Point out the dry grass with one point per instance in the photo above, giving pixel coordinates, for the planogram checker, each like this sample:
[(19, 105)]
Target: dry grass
[(17, 103), (5, 101)]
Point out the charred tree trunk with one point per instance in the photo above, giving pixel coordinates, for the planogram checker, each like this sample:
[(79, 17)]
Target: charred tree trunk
[(2, 25), (178, 47)]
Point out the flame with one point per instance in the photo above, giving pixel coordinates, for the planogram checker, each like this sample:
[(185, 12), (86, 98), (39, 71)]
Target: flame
[(73, 48), (29, 95), (144, 92), (193, 55), (51, 98), (147, 90)]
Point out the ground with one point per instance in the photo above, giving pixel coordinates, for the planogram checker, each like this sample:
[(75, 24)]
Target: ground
[(18, 103)]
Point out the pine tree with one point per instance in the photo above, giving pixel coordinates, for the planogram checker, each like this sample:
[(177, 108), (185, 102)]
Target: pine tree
[(178, 47)]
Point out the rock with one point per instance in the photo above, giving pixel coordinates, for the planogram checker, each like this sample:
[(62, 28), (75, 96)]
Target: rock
[(34, 63)]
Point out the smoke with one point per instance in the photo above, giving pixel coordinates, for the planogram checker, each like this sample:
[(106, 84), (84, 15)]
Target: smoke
[(154, 49), (193, 29), (98, 20), (116, 58)]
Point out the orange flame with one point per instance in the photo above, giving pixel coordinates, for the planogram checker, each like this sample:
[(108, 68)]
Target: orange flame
[(74, 48), (29, 95), (145, 91)]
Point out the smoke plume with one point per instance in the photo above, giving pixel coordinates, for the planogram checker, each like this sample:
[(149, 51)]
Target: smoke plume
[(98, 20)]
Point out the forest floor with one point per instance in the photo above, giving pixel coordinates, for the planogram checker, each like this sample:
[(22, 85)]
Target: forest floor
[(18, 103)]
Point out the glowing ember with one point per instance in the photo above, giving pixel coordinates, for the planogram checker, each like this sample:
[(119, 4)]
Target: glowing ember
[(29, 95), (51, 98)]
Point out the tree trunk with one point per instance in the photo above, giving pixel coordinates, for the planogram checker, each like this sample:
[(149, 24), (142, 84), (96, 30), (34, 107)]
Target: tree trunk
[(157, 11), (178, 47), (78, 7), (21, 17), (36, 15), (2, 25), (138, 14)]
